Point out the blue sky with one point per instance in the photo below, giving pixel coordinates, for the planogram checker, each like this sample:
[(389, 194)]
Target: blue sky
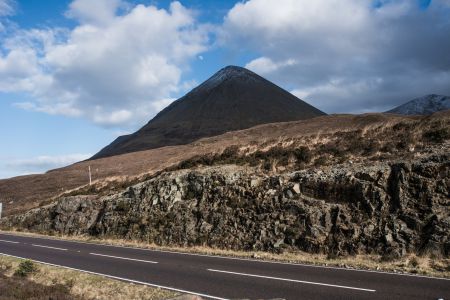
[(76, 74)]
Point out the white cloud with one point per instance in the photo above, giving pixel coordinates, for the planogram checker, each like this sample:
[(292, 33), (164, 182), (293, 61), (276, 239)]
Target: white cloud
[(116, 117), (345, 55), (296, 16), (16, 68), (161, 104), (93, 12), (123, 62), (264, 65), (54, 109), (7, 7), (111, 67), (39, 164)]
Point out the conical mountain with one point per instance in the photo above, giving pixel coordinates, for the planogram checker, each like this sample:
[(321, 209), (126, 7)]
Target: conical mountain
[(232, 99)]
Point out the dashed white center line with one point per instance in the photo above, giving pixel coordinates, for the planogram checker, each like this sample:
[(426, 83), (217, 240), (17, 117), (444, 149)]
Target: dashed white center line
[(293, 280), (42, 246), (125, 258), (12, 242)]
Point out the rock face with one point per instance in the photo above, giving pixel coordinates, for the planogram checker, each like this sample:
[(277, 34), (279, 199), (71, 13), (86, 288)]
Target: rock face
[(232, 99), (425, 105), (388, 209)]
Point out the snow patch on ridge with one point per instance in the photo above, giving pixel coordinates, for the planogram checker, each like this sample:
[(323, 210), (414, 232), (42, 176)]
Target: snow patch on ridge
[(226, 74), (423, 106)]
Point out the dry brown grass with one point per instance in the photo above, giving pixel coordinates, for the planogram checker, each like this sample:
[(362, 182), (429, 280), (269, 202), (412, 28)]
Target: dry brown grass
[(411, 264), (70, 284), (25, 192)]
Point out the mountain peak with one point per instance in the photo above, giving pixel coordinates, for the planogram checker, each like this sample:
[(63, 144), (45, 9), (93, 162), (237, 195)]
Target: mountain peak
[(425, 105), (233, 98), (234, 71), (233, 68), (227, 73)]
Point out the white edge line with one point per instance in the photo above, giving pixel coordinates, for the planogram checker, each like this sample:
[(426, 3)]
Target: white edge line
[(125, 258), (12, 242), (120, 278), (233, 258), (294, 280), (42, 246)]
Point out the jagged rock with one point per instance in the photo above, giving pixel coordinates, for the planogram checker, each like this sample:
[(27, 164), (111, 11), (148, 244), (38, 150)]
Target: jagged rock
[(389, 209), (296, 188)]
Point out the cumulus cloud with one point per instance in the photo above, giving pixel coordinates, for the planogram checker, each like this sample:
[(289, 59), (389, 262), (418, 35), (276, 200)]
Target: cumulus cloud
[(39, 164), (94, 12), (346, 55), (122, 62), (265, 65), (114, 68)]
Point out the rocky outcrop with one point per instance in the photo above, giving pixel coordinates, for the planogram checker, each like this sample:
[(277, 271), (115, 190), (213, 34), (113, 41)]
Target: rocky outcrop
[(388, 208)]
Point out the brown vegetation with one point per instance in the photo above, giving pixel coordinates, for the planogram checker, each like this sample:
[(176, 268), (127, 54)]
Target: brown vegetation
[(24, 279), (318, 141), (375, 143)]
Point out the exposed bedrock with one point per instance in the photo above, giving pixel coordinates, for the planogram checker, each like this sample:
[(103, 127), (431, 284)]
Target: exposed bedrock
[(389, 209)]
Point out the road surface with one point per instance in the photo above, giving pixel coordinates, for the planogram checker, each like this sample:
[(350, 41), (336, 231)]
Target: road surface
[(215, 277)]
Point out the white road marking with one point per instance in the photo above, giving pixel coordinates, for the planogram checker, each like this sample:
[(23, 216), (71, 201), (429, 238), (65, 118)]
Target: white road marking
[(232, 258), (124, 279), (42, 246), (12, 242), (293, 280), (126, 258)]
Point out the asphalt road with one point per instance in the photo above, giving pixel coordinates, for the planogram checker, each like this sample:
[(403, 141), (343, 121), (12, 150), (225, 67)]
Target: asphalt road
[(224, 278)]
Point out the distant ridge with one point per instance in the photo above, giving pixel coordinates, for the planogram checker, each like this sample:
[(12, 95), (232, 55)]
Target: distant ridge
[(425, 105), (234, 98)]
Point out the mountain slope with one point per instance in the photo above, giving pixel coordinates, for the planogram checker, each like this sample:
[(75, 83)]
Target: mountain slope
[(234, 98), (25, 192), (425, 105)]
